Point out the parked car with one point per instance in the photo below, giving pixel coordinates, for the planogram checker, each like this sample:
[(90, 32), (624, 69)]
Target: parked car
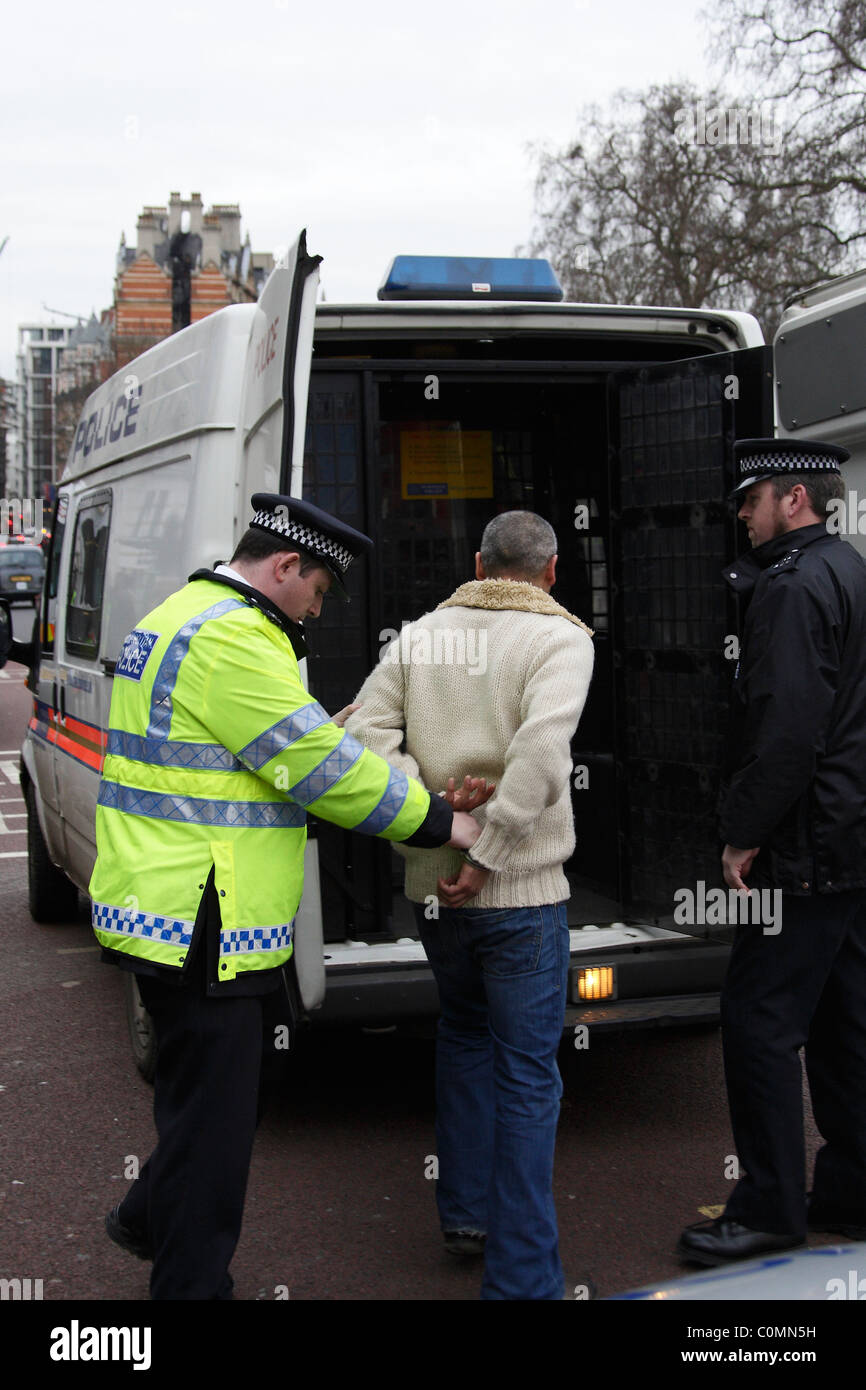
[(22, 568)]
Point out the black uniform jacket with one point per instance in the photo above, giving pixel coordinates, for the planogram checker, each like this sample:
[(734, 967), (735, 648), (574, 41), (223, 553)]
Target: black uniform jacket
[(795, 780)]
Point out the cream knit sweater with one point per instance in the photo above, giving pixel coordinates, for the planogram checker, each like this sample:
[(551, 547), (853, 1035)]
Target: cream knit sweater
[(491, 684)]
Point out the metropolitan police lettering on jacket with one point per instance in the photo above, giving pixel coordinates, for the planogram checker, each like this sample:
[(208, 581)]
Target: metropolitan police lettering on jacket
[(137, 647)]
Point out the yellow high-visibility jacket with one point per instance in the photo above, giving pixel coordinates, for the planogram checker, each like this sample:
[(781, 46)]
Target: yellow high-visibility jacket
[(216, 752)]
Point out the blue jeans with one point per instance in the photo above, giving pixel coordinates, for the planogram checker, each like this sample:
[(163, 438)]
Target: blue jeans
[(502, 977)]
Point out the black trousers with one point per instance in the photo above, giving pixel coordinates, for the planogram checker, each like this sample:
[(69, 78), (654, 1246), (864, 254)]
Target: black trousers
[(189, 1196), (803, 987)]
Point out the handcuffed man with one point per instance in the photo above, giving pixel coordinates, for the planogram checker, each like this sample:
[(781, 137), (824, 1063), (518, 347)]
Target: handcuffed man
[(494, 926)]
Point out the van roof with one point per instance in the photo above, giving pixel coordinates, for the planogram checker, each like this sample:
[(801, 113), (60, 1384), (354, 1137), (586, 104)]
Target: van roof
[(191, 383), (823, 290), (725, 329)]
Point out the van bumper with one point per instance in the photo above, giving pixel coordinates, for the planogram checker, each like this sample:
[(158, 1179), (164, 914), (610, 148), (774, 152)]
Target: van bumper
[(668, 984)]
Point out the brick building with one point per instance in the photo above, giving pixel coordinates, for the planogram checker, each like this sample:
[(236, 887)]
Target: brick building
[(186, 263)]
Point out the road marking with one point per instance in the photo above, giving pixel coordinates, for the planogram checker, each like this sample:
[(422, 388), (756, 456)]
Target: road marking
[(14, 854), (10, 771), (75, 950)]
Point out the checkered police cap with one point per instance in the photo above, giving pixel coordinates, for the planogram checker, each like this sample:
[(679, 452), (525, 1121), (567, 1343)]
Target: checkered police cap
[(317, 532), (758, 459)]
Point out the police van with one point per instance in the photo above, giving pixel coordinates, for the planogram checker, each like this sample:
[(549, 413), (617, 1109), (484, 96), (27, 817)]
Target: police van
[(468, 387)]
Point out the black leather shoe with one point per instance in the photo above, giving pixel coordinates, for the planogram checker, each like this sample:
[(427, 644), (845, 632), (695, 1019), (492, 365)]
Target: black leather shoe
[(131, 1241), (716, 1242)]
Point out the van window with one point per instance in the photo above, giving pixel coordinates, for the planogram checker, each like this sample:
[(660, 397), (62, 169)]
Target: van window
[(49, 593), (87, 576)]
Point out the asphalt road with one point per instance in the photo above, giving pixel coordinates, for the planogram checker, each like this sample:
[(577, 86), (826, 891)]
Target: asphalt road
[(339, 1207)]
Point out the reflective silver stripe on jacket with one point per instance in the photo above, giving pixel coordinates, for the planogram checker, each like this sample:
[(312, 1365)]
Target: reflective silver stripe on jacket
[(166, 676), (388, 806), (328, 773), (267, 745), (199, 810), (169, 752)]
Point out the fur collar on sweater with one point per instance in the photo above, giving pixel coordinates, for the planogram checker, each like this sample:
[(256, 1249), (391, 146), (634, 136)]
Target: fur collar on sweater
[(509, 593)]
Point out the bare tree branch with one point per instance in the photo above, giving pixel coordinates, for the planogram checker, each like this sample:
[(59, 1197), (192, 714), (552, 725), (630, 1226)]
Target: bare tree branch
[(678, 196)]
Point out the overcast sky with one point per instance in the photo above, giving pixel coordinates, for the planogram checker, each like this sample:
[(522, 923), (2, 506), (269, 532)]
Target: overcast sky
[(380, 127)]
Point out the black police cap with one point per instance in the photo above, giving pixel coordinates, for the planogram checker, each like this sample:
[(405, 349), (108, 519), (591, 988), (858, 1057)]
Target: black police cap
[(758, 459), (331, 541)]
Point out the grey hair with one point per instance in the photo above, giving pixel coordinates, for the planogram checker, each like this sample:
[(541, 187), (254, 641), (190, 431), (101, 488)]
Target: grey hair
[(517, 543)]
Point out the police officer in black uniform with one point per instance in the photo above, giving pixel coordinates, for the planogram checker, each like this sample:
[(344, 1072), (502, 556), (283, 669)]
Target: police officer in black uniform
[(793, 819)]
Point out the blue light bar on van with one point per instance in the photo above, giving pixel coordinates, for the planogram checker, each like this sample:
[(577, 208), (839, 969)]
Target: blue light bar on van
[(469, 277)]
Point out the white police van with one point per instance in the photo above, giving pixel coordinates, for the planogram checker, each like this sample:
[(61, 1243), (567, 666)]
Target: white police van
[(467, 388), (820, 385)]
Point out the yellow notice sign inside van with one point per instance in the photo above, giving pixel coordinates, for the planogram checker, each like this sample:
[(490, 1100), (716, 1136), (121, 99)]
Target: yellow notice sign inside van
[(446, 461)]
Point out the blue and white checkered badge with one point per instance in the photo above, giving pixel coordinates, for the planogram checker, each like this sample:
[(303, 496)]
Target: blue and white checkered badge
[(137, 647)]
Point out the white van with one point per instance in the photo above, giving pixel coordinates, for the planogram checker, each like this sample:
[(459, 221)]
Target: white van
[(820, 384), (467, 388)]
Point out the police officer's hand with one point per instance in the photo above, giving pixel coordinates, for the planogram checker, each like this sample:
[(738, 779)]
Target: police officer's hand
[(340, 718), (464, 831), (736, 864)]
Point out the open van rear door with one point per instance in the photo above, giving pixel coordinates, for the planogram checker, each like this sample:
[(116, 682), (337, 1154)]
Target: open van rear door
[(277, 377), (273, 419), (672, 428)]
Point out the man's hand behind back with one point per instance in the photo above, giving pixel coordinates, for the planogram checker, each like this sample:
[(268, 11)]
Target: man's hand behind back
[(473, 793), (457, 891)]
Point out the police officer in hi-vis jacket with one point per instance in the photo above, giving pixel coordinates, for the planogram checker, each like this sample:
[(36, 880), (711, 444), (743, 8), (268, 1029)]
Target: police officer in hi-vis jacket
[(216, 753)]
